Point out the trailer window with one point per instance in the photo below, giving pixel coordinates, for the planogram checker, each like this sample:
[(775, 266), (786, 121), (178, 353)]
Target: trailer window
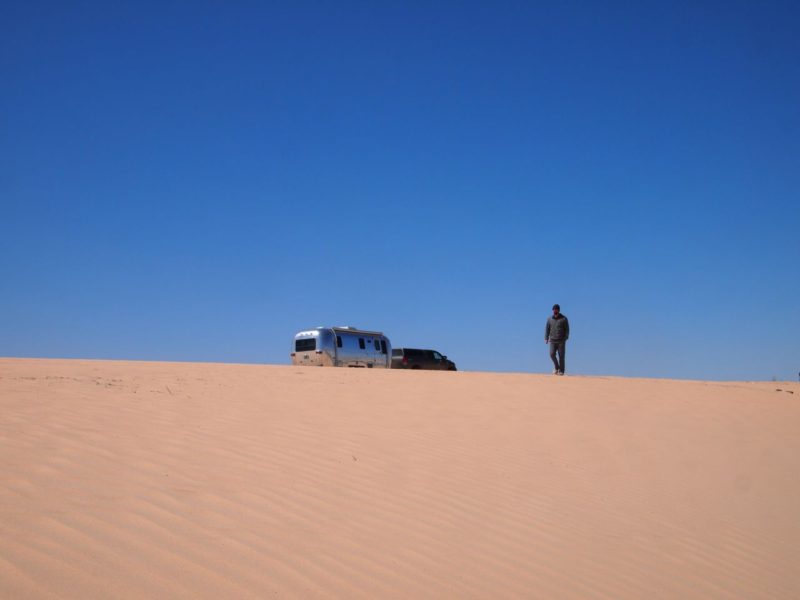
[(338, 341), (305, 345), (377, 346), (383, 346), (361, 343)]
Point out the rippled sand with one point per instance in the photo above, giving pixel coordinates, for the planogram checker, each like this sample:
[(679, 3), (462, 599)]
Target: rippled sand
[(178, 480)]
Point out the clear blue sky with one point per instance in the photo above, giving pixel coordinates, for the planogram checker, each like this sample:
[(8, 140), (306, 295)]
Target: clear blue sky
[(198, 181)]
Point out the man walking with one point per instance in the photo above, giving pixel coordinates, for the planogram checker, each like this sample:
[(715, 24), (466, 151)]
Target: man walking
[(556, 333)]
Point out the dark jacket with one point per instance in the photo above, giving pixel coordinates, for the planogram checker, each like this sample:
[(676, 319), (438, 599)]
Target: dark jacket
[(557, 329)]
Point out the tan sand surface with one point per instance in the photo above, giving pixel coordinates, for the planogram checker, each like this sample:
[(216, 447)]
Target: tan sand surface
[(180, 480)]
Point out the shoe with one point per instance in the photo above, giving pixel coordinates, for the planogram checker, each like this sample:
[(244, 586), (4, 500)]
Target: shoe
[(555, 372), (561, 372)]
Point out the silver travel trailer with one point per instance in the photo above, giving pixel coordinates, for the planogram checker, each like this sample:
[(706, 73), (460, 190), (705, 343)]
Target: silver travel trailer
[(341, 347)]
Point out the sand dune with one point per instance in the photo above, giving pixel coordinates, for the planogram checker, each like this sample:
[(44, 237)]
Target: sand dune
[(169, 480)]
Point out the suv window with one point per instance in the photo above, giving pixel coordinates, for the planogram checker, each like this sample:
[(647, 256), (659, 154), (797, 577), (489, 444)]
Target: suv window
[(414, 353), (436, 355), (305, 345), (397, 352)]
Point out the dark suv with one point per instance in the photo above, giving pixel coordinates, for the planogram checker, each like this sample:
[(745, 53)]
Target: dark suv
[(412, 358)]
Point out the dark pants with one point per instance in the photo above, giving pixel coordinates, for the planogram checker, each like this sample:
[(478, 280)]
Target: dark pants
[(561, 348)]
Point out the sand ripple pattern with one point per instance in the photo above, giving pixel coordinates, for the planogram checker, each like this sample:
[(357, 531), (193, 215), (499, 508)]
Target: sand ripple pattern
[(178, 480)]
